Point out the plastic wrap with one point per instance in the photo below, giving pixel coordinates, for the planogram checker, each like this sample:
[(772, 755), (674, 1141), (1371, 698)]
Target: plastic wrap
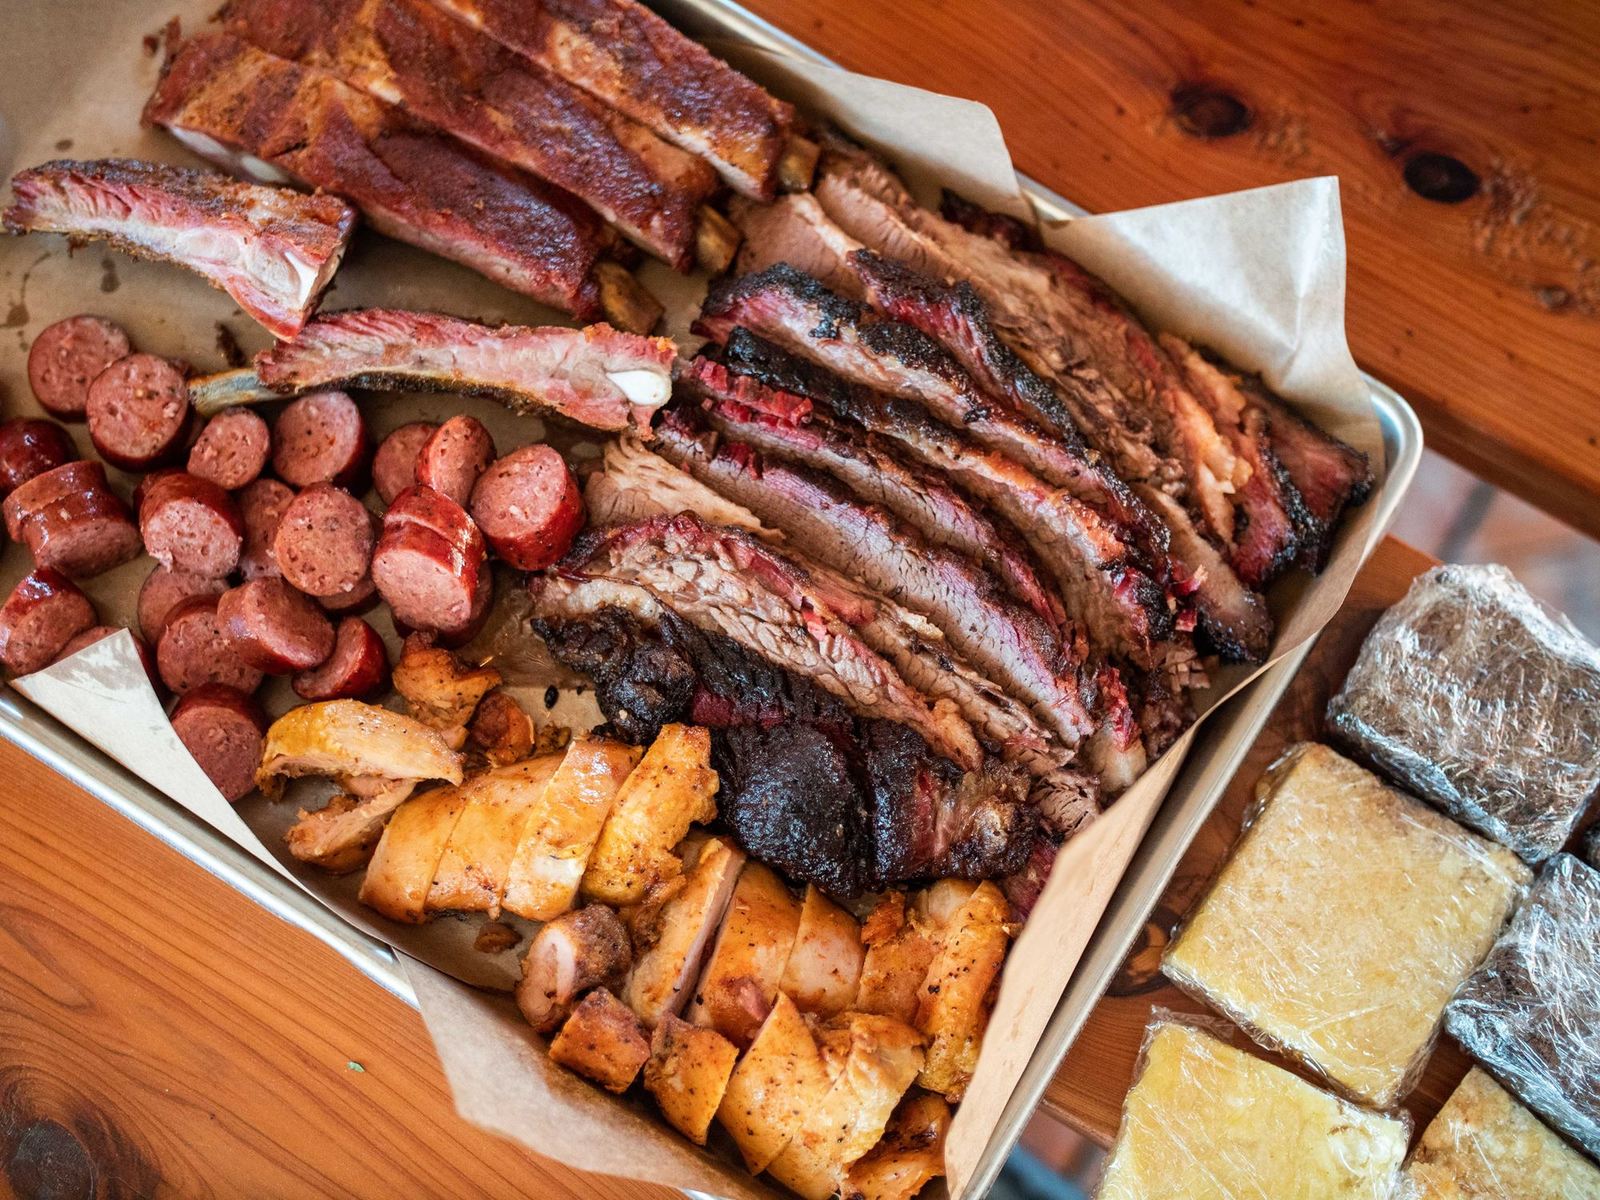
[(1345, 918), (1473, 696), (1206, 1121), (1531, 1012), (1483, 1145), (1591, 847)]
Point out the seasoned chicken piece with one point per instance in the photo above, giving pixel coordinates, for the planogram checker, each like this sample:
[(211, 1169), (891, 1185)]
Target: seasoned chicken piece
[(778, 1083), (402, 867), (672, 787), (679, 932), (366, 748), (472, 872), (603, 1041), (953, 1006), (899, 950), (556, 842), (577, 951), (824, 966), (439, 689), (735, 991), (340, 835), (500, 730), (883, 1058), (688, 1073), (910, 1156)]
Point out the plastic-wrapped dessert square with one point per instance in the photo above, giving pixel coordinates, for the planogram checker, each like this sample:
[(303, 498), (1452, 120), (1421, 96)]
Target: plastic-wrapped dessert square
[(1483, 1140), (1473, 696), (1531, 1012), (1206, 1121), (1346, 916)]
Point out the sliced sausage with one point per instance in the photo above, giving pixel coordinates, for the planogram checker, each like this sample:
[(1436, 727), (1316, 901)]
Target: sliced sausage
[(97, 633), (452, 459), (164, 589), (44, 612), (138, 412), (324, 541), (321, 438), (190, 524), (358, 666), (262, 506), (194, 648), (71, 520), (394, 467), (30, 446), (275, 628), (224, 729), (357, 600), (427, 562), (529, 507), (232, 449), (65, 358), (482, 601)]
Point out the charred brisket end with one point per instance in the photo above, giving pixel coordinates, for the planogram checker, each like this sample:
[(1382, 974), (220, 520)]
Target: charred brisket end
[(641, 682), (974, 218), (726, 295)]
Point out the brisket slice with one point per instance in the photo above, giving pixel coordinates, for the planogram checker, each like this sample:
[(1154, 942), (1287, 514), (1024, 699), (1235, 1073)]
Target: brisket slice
[(747, 411), (865, 542), (441, 70), (1324, 476), (636, 484), (850, 804), (793, 229), (249, 110), (1106, 581), (727, 582)]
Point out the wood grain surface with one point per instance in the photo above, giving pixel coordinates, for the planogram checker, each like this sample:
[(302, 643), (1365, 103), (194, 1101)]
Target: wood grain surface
[(160, 1035), (1088, 1090), (1466, 139)]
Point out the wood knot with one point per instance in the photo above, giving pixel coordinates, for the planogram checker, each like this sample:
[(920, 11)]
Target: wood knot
[(1441, 178), (45, 1161), (1205, 111)]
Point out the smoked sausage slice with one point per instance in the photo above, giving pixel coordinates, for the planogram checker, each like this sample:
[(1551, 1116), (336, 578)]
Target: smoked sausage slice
[(224, 729), (30, 446), (275, 628), (358, 666), (138, 411), (194, 648), (232, 449), (65, 358), (529, 507), (321, 438), (44, 612), (451, 460), (324, 541), (164, 589), (190, 524), (427, 562), (71, 520), (394, 467), (262, 506)]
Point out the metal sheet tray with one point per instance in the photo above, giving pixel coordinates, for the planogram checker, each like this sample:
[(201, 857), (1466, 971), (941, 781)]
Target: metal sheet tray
[(1216, 754)]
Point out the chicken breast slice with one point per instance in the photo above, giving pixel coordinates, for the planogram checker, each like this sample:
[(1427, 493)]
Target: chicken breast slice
[(544, 874), (665, 972), (408, 853), (363, 746), (740, 980), (340, 836), (899, 948), (883, 1059), (585, 948), (953, 1006), (778, 1083), (908, 1158), (602, 1040), (439, 689), (688, 1073), (672, 788), (824, 966), (474, 868)]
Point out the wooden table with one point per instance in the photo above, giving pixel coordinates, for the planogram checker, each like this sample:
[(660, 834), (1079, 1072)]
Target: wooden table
[(1466, 139)]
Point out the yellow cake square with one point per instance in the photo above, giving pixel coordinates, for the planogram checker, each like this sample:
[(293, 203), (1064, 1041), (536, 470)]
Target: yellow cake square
[(1483, 1145), (1346, 917), (1206, 1121)]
